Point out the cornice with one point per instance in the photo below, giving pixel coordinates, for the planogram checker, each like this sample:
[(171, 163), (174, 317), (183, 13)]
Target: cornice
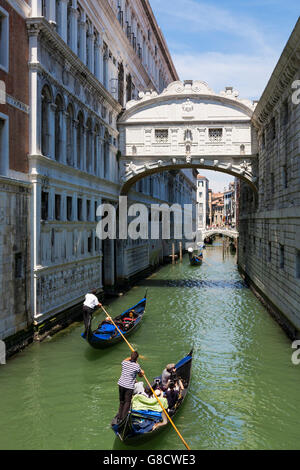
[(38, 26), (285, 70), (160, 39), (21, 7), (38, 66)]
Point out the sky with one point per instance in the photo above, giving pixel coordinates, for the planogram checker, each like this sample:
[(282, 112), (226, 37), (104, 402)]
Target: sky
[(226, 43)]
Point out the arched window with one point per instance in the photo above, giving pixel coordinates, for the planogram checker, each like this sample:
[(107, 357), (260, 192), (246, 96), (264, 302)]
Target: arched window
[(96, 150), (128, 87), (58, 128), (106, 154), (79, 139), (89, 29), (70, 134), (121, 84), (69, 23), (89, 145), (45, 120)]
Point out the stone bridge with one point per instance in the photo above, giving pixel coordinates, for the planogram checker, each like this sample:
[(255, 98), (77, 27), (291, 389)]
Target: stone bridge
[(188, 126), (231, 233)]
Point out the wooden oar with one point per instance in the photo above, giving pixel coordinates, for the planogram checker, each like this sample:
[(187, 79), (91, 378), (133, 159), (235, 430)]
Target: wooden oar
[(147, 381), (109, 317)]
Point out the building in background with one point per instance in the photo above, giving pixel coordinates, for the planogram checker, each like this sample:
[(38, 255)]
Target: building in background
[(15, 190), (217, 209), (202, 202), (230, 205)]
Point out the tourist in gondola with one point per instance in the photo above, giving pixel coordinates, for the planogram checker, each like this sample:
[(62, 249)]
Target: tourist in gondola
[(90, 304), (166, 375), (130, 369)]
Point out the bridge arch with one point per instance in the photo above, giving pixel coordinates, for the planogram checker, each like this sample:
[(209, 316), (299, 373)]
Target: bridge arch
[(188, 126)]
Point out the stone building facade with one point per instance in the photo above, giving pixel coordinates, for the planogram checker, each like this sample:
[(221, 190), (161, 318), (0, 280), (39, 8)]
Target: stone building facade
[(269, 224), (202, 201), (15, 191), (87, 59)]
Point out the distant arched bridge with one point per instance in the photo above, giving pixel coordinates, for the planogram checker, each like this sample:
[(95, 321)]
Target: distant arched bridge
[(226, 232)]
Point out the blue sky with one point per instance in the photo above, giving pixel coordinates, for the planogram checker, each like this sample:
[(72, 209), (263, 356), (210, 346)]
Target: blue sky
[(227, 43)]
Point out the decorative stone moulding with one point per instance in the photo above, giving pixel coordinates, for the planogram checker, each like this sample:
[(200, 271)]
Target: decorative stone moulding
[(189, 88)]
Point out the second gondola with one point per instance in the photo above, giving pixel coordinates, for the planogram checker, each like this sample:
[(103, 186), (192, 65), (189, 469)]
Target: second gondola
[(107, 334)]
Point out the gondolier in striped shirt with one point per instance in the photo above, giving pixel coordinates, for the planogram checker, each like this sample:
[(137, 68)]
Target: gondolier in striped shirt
[(130, 369), (90, 304)]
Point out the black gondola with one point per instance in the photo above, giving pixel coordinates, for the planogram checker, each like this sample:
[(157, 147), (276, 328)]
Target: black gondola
[(106, 334), (195, 260), (139, 424)]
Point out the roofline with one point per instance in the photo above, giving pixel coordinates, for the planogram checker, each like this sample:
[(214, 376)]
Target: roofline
[(160, 39), (280, 77)]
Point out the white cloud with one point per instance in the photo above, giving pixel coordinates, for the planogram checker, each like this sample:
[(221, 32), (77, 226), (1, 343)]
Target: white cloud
[(192, 16), (248, 74)]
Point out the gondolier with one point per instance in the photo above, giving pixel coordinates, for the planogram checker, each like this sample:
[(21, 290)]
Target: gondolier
[(90, 304), (130, 369)]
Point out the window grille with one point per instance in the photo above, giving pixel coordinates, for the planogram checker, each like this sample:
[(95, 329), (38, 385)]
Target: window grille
[(215, 135), (161, 136)]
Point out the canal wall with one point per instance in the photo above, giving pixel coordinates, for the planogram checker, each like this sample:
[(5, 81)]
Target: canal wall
[(15, 318), (269, 224)]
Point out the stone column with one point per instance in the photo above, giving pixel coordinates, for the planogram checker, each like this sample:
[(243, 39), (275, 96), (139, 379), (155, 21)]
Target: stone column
[(51, 12), (64, 19), (90, 48), (35, 96), (73, 23), (97, 66), (82, 39)]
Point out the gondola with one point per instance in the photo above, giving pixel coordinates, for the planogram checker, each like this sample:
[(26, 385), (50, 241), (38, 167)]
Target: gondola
[(106, 334), (195, 260), (138, 425)]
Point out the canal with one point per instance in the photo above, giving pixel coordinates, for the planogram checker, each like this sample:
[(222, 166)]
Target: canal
[(244, 394)]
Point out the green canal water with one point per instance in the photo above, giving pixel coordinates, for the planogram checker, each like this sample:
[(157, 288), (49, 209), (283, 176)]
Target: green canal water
[(244, 394)]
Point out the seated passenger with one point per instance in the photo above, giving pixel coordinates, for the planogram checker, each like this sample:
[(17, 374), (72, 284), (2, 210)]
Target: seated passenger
[(164, 402), (166, 375), (172, 395)]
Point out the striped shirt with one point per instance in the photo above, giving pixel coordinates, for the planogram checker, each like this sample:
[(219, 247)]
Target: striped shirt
[(129, 372)]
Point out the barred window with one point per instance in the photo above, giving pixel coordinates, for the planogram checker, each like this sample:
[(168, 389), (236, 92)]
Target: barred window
[(161, 136), (215, 135)]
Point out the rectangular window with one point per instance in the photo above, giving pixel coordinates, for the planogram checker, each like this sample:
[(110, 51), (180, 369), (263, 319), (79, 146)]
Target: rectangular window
[(90, 242), (88, 209), (45, 206), (284, 177), (161, 136), (57, 206), (69, 207), (4, 40), (18, 266), (272, 183), (215, 135), (273, 128), (4, 144), (285, 113), (269, 252), (96, 205), (281, 256), (298, 264), (79, 209)]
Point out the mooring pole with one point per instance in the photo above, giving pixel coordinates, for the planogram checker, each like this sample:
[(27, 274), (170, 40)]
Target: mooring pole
[(180, 251)]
